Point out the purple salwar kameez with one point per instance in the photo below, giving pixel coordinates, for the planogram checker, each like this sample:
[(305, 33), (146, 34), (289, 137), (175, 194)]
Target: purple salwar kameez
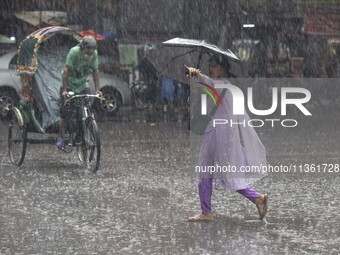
[(236, 145)]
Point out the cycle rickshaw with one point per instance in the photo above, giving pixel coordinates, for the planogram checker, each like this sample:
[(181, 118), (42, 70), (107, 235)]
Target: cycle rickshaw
[(41, 57)]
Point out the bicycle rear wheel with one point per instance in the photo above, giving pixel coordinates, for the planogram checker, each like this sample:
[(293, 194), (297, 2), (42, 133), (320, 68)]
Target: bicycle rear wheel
[(17, 138), (91, 146)]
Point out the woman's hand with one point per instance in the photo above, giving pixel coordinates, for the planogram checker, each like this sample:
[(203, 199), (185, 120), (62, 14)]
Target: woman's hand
[(191, 71)]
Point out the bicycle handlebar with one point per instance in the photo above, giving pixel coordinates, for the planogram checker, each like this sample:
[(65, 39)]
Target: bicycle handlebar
[(83, 95)]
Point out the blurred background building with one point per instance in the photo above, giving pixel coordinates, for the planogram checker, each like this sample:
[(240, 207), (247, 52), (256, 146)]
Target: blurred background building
[(291, 38)]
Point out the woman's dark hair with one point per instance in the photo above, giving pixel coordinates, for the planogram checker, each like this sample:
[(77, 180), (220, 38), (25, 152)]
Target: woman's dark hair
[(223, 62)]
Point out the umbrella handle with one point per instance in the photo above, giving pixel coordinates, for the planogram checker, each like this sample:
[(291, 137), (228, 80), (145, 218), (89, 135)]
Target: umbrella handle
[(199, 60)]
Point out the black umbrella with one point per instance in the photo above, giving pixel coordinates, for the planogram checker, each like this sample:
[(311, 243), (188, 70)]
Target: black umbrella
[(171, 56)]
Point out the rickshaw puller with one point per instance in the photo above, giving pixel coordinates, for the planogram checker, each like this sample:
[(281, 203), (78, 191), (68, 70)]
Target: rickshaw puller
[(80, 61)]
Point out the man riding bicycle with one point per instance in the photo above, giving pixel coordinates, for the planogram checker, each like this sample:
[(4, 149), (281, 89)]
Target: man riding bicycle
[(80, 61)]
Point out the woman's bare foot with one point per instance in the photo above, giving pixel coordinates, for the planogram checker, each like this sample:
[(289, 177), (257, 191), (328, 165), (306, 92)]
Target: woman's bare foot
[(202, 217), (262, 204)]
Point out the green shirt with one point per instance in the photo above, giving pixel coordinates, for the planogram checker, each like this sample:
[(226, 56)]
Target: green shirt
[(79, 67)]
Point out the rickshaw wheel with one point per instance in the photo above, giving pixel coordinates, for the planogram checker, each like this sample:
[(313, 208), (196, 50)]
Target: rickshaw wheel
[(17, 139), (91, 146)]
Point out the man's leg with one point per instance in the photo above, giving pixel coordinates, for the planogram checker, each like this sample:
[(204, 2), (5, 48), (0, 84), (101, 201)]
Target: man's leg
[(62, 128), (60, 140)]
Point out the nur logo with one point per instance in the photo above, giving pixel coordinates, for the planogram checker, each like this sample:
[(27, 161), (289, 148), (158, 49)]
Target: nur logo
[(239, 101)]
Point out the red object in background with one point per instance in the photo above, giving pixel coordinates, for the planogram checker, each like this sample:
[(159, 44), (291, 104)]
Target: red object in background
[(322, 21), (296, 70), (90, 32)]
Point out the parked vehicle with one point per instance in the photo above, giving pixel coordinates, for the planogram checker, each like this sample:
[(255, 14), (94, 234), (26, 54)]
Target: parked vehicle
[(9, 83), (115, 91)]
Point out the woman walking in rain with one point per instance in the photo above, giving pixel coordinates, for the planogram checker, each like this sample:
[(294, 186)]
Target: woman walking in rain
[(235, 146)]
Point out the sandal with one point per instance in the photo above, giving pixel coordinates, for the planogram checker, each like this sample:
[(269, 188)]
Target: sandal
[(202, 217), (262, 207)]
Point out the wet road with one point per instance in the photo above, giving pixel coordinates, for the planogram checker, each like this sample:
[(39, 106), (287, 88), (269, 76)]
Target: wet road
[(140, 199)]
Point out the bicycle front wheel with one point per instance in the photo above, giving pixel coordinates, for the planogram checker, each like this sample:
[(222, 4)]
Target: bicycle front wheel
[(17, 138), (91, 146)]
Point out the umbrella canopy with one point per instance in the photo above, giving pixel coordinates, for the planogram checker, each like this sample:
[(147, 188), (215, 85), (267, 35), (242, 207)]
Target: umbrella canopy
[(169, 59), (92, 33)]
